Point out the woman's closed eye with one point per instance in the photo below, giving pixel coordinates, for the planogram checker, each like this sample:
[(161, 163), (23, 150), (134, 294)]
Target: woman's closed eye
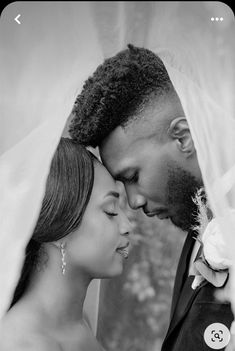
[(111, 208), (111, 213)]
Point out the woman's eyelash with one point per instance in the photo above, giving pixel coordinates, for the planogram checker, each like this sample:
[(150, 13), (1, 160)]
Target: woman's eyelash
[(112, 214)]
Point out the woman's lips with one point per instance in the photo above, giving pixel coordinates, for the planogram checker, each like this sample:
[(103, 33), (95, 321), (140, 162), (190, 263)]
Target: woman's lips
[(123, 250)]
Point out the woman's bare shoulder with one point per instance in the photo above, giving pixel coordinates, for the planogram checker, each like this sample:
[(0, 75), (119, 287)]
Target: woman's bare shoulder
[(33, 343), (19, 334)]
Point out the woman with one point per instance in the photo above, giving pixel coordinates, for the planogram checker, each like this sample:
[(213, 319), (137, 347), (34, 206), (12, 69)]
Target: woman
[(81, 234)]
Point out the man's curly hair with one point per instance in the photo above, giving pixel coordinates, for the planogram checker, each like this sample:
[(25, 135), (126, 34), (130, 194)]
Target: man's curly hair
[(116, 91)]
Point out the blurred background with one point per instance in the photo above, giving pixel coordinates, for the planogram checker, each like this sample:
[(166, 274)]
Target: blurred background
[(135, 307)]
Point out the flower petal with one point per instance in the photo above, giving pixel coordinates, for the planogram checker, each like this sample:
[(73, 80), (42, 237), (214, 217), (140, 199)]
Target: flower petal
[(215, 278), (197, 281)]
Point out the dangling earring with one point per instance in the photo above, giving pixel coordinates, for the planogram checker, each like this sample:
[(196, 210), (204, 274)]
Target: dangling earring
[(62, 250)]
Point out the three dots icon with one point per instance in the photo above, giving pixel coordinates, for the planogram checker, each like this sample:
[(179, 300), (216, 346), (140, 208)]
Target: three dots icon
[(217, 19)]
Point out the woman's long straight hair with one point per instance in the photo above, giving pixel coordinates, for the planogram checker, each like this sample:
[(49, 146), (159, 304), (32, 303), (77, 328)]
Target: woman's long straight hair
[(68, 189)]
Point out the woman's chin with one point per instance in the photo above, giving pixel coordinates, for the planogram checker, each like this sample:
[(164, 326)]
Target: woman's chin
[(108, 274), (114, 271)]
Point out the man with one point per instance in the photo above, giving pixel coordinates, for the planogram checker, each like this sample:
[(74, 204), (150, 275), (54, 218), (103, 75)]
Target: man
[(131, 111)]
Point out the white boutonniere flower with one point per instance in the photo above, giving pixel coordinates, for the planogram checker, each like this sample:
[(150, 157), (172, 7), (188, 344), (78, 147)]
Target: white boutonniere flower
[(212, 262), (214, 247)]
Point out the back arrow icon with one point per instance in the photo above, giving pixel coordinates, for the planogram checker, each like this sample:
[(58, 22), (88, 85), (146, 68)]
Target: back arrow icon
[(17, 20)]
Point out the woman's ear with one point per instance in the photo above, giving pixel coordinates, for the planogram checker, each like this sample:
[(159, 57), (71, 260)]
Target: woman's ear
[(179, 130), (58, 244)]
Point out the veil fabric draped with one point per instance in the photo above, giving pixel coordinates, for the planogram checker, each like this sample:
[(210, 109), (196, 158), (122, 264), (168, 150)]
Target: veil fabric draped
[(44, 62)]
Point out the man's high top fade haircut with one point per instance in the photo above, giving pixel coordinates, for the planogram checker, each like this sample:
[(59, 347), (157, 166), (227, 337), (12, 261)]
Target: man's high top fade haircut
[(116, 92)]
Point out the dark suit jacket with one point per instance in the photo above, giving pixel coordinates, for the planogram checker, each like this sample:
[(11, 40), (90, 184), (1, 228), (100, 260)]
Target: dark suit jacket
[(192, 311)]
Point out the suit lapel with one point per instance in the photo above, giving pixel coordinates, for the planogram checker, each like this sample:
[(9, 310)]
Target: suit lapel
[(183, 294), (184, 303), (182, 270)]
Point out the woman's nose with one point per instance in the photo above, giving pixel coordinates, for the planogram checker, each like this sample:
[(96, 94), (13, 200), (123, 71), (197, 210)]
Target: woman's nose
[(125, 225)]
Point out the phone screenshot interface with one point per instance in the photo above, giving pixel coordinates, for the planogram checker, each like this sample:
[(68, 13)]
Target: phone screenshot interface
[(162, 127)]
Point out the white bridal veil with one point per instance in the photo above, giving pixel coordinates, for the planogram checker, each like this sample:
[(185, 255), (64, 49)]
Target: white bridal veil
[(44, 62)]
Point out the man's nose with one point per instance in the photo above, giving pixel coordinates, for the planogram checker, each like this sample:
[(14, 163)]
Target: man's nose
[(135, 199)]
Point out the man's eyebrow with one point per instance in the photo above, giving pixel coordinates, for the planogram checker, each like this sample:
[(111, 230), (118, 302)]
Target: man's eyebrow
[(122, 174), (113, 193)]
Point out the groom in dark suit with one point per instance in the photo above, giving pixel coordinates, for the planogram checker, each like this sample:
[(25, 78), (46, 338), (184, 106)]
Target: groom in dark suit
[(131, 111)]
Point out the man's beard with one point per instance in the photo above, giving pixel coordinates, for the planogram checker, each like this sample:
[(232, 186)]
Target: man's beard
[(181, 189)]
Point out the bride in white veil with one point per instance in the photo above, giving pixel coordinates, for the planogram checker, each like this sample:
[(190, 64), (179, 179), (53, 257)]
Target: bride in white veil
[(46, 58)]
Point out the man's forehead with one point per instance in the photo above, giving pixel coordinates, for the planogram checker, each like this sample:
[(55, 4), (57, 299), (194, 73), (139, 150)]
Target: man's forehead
[(123, 143), (116, 142), (144, 124), (116, 150), (137, 129)]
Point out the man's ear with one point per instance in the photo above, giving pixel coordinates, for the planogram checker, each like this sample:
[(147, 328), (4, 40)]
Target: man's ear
[(179, 130)]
